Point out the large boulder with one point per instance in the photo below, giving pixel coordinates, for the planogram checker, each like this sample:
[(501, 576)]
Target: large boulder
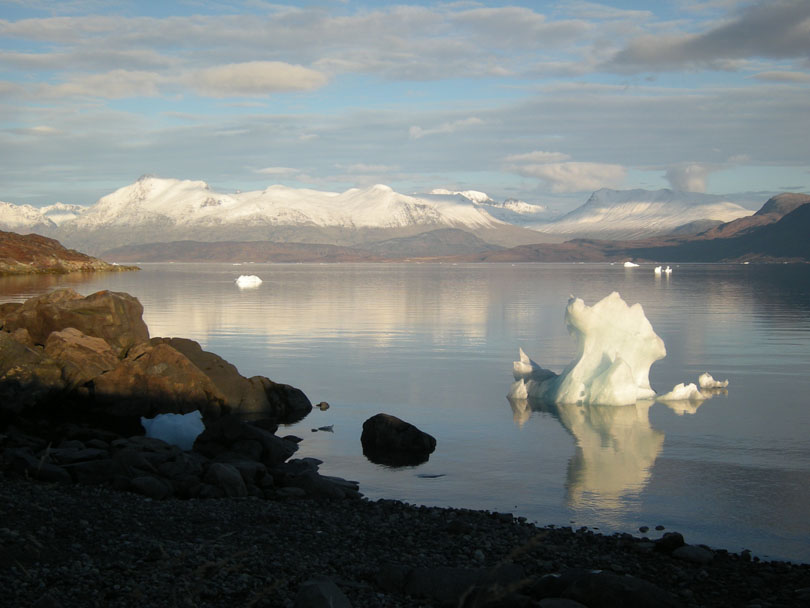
[(27, 376), (82, 357), (233, 435), (388, 440), (256, 395), (115, 317), (155, 380)]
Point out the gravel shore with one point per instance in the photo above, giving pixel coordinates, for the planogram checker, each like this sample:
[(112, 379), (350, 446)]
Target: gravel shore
[(64, 545)]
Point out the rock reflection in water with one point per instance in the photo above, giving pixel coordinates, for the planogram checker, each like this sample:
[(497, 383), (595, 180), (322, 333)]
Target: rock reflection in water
[(616, 448)]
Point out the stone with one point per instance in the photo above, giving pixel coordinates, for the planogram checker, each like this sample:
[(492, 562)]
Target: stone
[(669, 542), (255, 395), (27, 376), (608, 590), (387, 439), (115, 317), (694, 554), (154, 380), (82, 357), (220, 435), (23, 461), (320, 592), (226, 477), (152, 487)]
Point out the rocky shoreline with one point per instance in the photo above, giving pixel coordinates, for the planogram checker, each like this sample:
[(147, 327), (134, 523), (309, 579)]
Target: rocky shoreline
[(95, 513), (68, 545)]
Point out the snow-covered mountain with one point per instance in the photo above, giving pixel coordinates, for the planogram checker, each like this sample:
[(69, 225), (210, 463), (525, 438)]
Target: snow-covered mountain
[(162, 210), (154, 209), (634, 214), (60, 213), (24, 219)]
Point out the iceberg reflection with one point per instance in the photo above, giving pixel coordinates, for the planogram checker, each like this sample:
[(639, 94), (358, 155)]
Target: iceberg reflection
[(616, 447)]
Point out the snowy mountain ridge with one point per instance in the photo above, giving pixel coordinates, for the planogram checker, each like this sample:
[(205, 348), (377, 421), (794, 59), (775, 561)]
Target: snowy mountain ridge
[(633, 214), (156, 209), (187, 203)]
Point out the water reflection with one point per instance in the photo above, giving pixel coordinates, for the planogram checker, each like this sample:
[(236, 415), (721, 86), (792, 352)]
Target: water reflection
[(616, 448)]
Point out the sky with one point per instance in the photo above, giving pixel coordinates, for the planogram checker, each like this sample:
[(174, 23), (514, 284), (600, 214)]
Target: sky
[(539, 101)]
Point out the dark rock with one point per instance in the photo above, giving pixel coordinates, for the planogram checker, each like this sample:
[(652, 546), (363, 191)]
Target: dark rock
[(608, 590), (694, 554), (152, 487), (93, 472), (27, 376), (669, 542), (220, 435), (115, 317), (227, 478), (23, 460), (320, 592), (389, 440)]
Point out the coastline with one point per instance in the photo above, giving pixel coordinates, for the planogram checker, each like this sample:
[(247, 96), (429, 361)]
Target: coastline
[(66, 545)]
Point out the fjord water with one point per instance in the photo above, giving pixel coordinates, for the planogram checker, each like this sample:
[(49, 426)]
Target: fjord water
[(434, 345)]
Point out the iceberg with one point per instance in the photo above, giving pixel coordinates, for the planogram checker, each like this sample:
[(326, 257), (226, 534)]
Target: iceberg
[(177, 429), (616, 347), (248, 281), (705, 380), (630, 265), (683, 392)]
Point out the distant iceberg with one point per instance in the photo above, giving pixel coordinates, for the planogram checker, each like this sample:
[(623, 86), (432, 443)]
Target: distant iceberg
[(629, 264), (248, 281), (616, 347), (177, 429)]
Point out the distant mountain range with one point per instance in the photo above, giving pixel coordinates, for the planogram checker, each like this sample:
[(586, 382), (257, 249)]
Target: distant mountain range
[(376, 220), (777, 232)]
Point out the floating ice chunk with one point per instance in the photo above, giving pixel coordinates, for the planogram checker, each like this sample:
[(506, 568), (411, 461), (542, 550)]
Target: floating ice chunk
[(178, 429), (683, 392), (705, 380), (630, 265), (667, 270), (248, 281), (617, 346), (658, 270)]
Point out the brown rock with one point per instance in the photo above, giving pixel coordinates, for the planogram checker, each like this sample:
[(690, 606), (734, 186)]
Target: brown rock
[(255, 395), (156, 380), (113, 316), (82, 357), (27, 376)]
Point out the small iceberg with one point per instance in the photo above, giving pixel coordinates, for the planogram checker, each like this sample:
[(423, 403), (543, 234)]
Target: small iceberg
[(683, 392), (661, 270), (629, 264), (177, 429), (248, 281), (705, 380)]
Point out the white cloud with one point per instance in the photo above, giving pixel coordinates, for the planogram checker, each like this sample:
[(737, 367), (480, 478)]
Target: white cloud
[(576, 176), (416, 132), (783, 76), (254, 78), (116, 84), (538, 156), (278, 171), (688, 178)]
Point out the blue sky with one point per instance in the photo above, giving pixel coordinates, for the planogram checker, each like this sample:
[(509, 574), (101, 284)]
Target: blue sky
[(542, 101)]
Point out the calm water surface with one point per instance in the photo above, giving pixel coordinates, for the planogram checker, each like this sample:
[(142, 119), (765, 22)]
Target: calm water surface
[(434, 345)]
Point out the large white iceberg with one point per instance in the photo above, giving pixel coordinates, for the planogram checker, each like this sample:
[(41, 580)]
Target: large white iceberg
[(616, 348)]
